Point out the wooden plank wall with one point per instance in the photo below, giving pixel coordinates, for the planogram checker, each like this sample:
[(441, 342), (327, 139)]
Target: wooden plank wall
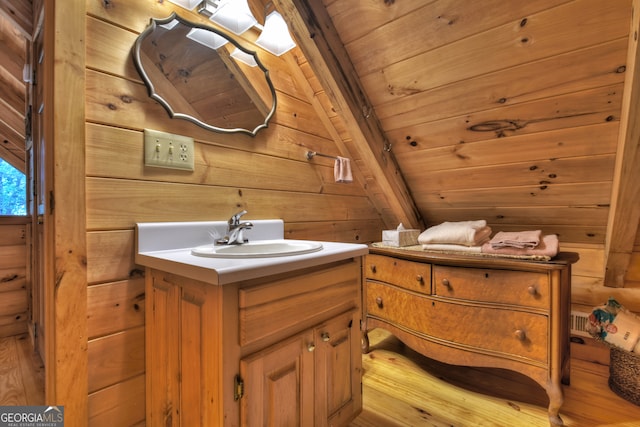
[(14, 294), (268, 176)]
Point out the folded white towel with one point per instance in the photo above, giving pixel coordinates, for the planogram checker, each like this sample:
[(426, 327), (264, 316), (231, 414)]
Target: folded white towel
[(342, 170), (443, 247), (467, 233)]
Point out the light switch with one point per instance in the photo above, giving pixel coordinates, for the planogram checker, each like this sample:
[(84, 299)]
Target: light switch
[(166, 150)]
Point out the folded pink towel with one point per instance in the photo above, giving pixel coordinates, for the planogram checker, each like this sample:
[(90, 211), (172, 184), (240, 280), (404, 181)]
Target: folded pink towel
[(467, 233), (516, 239), (342, 170), (548, 246)]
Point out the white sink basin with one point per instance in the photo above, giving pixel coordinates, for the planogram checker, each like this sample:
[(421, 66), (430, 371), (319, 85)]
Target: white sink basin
[(258, 249)]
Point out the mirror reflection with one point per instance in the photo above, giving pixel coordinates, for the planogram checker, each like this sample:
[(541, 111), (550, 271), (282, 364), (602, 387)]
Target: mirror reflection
[(189, 69)]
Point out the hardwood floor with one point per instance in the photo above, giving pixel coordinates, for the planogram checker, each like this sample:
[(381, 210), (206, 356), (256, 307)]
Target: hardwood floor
[(21, 373), (402, 388)]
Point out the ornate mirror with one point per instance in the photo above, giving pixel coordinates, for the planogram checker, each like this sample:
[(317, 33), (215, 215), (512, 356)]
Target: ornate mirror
[(189, 69)]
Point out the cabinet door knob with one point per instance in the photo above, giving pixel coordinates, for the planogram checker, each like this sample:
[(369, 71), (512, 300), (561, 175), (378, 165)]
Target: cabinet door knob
[(310, 347), (521, 335), (325, 336), (373, 268), (379, 302), (446, 283), (419, 278), (532, 290)]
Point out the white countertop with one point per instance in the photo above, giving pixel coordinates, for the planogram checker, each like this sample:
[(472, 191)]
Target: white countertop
[(167, 247)]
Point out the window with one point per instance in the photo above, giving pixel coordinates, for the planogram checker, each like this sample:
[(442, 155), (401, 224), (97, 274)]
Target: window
[(13, 190)]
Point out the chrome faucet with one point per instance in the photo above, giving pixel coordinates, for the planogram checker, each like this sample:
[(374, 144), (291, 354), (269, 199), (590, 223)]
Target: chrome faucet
[(235, 234)]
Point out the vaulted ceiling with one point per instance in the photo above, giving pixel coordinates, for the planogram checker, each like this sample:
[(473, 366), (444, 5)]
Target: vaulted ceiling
[(521, 115)]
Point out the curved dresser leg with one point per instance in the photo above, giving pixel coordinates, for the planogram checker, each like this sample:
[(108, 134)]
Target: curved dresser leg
[(364, 339), (364, 342), (556, 398)]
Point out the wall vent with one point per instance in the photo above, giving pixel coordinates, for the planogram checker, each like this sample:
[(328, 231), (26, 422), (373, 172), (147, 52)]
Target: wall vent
[(579, 322)]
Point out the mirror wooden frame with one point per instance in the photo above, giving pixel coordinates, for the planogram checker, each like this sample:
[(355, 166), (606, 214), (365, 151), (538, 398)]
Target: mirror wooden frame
[(156, 72)]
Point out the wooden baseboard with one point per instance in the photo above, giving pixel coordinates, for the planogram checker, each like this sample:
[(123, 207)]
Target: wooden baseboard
[(589, 350)]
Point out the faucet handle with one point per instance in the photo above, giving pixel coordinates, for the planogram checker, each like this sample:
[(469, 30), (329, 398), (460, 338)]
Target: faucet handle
[(235, 219)]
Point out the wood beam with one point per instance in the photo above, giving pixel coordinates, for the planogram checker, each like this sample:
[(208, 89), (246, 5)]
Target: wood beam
[(624, 214), (317, 38), (63, 82)]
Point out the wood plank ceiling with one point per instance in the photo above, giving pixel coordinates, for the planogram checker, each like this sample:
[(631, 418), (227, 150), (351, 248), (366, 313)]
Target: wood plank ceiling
[(509, 114), (15, 28)]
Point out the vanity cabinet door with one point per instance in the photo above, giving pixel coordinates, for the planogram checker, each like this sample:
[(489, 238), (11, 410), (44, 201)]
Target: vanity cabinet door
[(183, 384), (313, 379), (279, 384), (162, 361), (338, 373)]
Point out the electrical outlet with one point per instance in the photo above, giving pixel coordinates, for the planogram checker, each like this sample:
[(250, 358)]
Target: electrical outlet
[(166, 150)]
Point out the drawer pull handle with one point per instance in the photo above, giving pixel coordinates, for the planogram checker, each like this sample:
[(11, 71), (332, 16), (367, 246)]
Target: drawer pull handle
[(325, 336), (532, 290), (446, 283), (521, 335), (419, 278), (310, 347), (373, 268), (379, 302)]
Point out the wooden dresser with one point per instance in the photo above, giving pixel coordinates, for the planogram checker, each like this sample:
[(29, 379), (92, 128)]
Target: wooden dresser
[(476, 311)]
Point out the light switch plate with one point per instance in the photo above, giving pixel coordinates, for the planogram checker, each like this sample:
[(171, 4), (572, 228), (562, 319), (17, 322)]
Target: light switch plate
[(166, 150)]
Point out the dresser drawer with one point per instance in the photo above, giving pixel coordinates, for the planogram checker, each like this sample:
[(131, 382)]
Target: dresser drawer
[(514, 334), (521, 288), (406, 274)]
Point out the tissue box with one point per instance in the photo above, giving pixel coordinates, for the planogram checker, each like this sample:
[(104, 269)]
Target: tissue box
[(400, 237)]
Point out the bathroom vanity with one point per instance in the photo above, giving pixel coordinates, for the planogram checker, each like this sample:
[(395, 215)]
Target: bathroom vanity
[(250, 341), (476, 311)]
